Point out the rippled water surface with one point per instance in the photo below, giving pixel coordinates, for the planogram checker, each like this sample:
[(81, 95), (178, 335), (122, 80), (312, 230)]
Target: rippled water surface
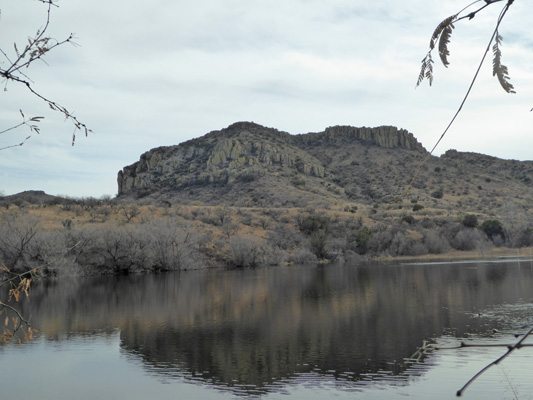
[(295, 332)]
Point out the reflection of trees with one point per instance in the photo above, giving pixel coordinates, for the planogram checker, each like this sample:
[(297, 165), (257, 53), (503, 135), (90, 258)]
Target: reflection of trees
[(254, 327)]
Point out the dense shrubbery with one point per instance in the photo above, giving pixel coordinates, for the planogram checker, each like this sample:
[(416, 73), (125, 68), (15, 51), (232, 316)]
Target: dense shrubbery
[(113, 238), (109, 248)]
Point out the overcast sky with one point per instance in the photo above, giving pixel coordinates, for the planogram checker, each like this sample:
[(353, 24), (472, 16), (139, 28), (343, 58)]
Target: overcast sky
[(160, 72)]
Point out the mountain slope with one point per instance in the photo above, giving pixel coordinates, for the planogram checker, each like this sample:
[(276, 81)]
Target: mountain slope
[(249, 165)]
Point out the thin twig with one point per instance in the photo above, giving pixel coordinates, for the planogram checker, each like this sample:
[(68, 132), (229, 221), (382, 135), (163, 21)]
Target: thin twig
[(13, 309), (465, 345), (15, 145), (473, 13), (13, 127), (35, 50)]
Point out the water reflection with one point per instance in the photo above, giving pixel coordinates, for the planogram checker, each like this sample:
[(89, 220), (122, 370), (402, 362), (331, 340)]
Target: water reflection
[(252, 329)]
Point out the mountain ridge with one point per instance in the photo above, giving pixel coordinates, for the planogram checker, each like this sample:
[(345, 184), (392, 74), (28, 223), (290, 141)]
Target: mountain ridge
[(249, 165)]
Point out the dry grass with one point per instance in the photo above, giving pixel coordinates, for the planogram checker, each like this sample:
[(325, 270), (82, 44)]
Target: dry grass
[(456, 255), (218, 224)]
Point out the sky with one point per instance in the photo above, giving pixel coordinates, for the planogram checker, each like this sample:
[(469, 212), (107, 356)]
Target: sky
[(157, 73)]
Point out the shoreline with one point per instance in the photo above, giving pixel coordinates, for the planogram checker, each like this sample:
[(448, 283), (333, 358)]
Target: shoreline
[(495, 254)]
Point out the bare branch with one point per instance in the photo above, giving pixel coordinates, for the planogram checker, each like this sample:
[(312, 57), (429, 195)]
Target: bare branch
[(30, 123), (512, 348), (35, 50), (439, 31), (57, 107)]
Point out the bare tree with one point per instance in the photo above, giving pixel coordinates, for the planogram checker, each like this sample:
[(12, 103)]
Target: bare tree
[(130, 211)]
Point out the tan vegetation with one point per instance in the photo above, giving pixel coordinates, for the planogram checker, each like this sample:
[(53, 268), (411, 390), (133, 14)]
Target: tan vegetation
[(102, 236)]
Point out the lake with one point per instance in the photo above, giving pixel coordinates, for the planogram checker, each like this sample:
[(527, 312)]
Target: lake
[(306, 332)]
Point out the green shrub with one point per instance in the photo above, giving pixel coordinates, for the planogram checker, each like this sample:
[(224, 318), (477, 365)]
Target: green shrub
[(470, 221), (361, 238), (314, 223), (438, 194), (493, 228), (318, 243), (409, 219), (418, 207)]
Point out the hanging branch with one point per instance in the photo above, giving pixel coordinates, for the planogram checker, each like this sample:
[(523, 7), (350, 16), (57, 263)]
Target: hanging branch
[(35, 50), (443, 33)]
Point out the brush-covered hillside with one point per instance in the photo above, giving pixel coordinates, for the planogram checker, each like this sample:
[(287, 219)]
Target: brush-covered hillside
[(248, 165), (253, 196)]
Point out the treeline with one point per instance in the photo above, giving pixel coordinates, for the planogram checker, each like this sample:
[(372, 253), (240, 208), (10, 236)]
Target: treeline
[(103, 248), (407, 235), (105, 237)]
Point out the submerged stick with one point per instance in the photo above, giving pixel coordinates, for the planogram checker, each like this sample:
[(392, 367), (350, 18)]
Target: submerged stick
[(511, 348)]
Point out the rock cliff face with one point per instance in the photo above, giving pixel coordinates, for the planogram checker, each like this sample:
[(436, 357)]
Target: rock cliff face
[(245, 151), (383, 136)]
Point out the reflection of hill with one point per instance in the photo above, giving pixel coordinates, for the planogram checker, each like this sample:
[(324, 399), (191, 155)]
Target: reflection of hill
[(255, 327)]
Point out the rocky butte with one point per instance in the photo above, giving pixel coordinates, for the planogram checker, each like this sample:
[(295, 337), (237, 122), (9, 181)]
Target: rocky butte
[(249, 165)]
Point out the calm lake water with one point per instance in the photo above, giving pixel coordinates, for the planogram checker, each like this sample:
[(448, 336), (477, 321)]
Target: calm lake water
[(280, 333)]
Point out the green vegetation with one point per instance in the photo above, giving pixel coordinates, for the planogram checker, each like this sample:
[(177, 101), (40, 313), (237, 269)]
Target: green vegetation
[(493, 228), (470, 221), (418, 207)]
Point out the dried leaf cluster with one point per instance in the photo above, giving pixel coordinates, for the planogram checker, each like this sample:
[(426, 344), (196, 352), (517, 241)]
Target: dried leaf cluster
[(16, 328), (498, 69), (442, 35)]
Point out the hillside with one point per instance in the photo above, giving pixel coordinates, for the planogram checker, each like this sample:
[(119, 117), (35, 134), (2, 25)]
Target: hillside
[(248, 165), (253, 196)]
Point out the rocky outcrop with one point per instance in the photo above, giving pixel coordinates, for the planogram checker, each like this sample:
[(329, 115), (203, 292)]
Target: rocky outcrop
[(225, 156), (384, 136)]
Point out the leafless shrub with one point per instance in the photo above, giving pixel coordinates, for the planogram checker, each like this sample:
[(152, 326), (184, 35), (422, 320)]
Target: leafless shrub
[(174, 245), (468, 239), (130, 211), (50, 254), (222, 214), (273, 255), (99, 214), (246, 218), (81, 246), (435, 243), (245, 252), (229, 229), (114, 246), (17, 234), (264, 223), (404, 245), (78, 210), (284, 237), (303, 256)]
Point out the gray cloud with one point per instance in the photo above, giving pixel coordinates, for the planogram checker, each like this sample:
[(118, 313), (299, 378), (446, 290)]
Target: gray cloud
[(158, 73)]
